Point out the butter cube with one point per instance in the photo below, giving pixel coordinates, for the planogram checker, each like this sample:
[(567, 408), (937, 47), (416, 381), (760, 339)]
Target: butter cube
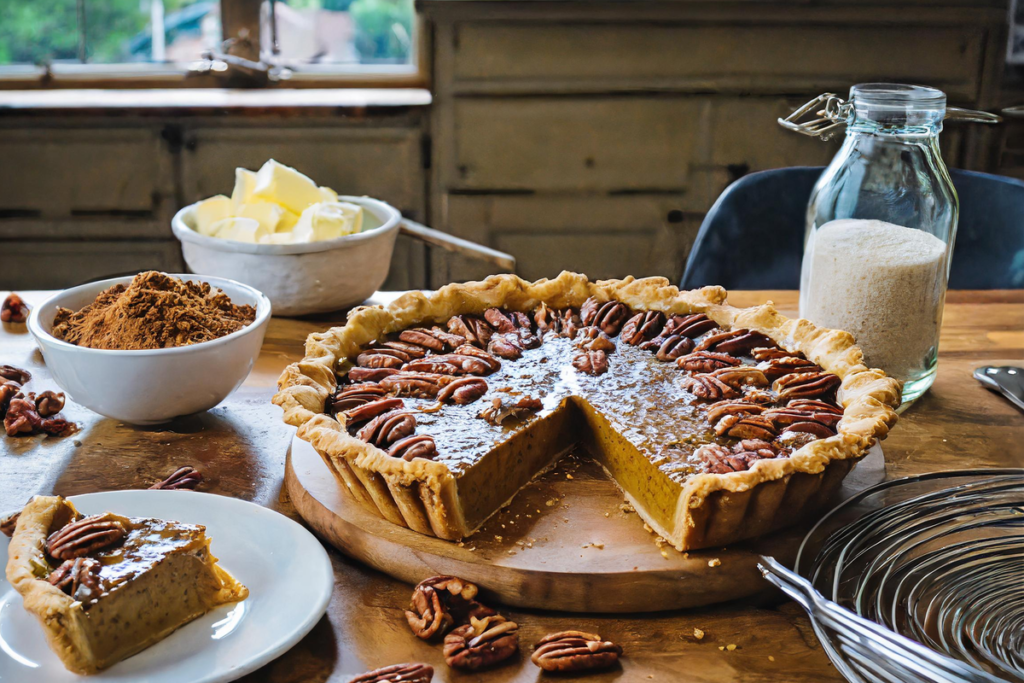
[(239, 229), (285, 186), (209, 211), (288, 221), (327, 194), (245, 183), (266, 214), (278, 238), (327, 220)]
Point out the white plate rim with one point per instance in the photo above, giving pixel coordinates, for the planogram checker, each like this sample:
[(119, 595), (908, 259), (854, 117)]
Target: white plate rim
[(275, 649)]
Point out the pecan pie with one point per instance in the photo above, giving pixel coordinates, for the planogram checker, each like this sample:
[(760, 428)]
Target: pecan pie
[(718, 423), (106, 587)]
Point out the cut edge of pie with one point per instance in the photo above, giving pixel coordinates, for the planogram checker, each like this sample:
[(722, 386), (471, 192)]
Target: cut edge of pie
[(87, 645), (711, 510)]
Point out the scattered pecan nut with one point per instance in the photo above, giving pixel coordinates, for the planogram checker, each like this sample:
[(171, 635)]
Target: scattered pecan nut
[(387, 428), (79, 578), (463, 390), (500, 410), (480, 643), (21, 416), (591, 362), (413, 672), (14, 309), (415, 446), (8, 390), (642, 327), (440, 602), (15, 374), (804, 385), (572, 651), (706, 361), (49, 403), (85, 536), (183, 478)]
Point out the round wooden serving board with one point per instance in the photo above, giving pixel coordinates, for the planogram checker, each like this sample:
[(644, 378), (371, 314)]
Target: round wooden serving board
[(565, 542)]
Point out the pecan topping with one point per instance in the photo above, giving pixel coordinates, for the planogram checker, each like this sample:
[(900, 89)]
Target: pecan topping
[(815, 406), (415, 384), (14, 309), (643, 327), (741, 375), (436, 365), (463, 390), (746, 427), (594, 339), (673, 347), (8, 523), (415, 446), (386, 429), (492, 363), (466, 360), (709, 387), (85, 536), (438, 603), (353, 396), (500, 321), (499, 411), (591, 362), (734, 342), (370, 410), (691, 326), (828, 416), (474, 330), (706, 361), (414, 672), (505, 347), (15, 374), (716, 411), (820, 385), (424, 338), (450, 340), (816, 428), (722, 460), (49, 403), (411, 350), (79, 578), (574, 651), (608, 316), (183, 478), (481, 642), (547, 320), (356, 375), (377, 358), (777, 367)]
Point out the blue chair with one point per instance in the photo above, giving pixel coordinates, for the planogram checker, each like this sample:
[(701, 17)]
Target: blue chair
[(764, 215)]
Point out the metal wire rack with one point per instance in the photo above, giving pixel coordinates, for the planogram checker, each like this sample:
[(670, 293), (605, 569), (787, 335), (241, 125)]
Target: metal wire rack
[(919, 579)]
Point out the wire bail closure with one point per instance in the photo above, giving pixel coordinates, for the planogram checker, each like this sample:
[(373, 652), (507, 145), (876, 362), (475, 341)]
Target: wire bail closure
[(836, 113)]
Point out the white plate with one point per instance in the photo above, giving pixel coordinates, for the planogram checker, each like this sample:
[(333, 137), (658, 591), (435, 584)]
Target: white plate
[(287, 571)]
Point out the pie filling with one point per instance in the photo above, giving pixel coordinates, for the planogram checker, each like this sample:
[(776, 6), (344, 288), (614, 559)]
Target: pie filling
[(498, 398)]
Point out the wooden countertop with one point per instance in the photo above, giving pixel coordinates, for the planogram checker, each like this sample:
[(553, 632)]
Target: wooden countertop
[(240, 446)]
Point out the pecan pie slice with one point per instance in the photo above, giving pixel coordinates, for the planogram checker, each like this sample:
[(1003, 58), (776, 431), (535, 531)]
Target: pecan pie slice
[(105, 587), (718, 423)]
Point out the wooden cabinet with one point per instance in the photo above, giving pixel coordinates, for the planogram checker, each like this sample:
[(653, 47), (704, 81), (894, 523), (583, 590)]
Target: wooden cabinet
[(568, 132)]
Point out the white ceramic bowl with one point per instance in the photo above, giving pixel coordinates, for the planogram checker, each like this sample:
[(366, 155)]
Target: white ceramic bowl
[(301, 278), (151, 385)]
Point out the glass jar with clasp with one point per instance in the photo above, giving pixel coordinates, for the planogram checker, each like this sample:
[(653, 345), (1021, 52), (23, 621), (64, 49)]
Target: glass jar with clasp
[(881, 225)]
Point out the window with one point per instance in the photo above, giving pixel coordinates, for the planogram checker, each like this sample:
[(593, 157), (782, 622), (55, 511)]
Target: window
[(52, 41)]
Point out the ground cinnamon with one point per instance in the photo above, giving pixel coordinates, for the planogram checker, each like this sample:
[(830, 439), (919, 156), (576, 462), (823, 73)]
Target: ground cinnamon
[(154, 311)]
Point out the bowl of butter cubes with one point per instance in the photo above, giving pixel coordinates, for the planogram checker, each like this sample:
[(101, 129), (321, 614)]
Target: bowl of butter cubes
[(308, 249)]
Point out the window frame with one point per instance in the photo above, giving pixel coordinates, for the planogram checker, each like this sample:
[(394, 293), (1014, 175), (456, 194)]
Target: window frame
[(235, 15)]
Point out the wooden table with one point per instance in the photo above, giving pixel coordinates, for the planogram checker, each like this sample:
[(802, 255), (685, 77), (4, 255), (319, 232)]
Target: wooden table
[(240, 446)]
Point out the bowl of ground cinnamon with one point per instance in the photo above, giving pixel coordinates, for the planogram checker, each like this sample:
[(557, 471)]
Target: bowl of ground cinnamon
[(152, 347)]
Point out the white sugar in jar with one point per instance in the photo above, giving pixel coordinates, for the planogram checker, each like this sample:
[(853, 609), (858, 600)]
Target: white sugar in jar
[(883, 283)]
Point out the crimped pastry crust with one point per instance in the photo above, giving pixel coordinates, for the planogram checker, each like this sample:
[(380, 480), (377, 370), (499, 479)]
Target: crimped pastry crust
[(712, 508)]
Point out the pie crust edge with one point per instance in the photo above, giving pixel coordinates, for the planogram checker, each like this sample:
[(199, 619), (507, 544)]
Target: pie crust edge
[(422, 494)]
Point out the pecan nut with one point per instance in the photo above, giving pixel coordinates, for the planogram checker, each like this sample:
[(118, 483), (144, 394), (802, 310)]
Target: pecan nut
[(14, 309), (414, 672), (741, 375), (368, 411), (763, 353), (423, 337), (463, 390), (183, 478), (415, 446), (746, 427), (358, 374), (709, 387), (440, 602), (79, 578), (716, 411), (722, 460), (691, 326), (499, 320), (415, 384), (505, 347), (15, 374), (673, 347), (594, 339), (353, 396), (480, 643), (474, 330), (21, 416), (8, 390), (608, 316), (571, 651), (377, 358), (499, 410), (591, 362), (49, 403), (734, 342), (643, 327), (411, 350), (384, 430), (85, 536), (816, 385), (814, 428), (787, 365), (492, 363), (706, 361)]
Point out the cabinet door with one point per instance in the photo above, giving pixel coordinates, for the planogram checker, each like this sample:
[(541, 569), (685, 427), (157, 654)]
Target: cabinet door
[(603, 237), (59, 264)]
